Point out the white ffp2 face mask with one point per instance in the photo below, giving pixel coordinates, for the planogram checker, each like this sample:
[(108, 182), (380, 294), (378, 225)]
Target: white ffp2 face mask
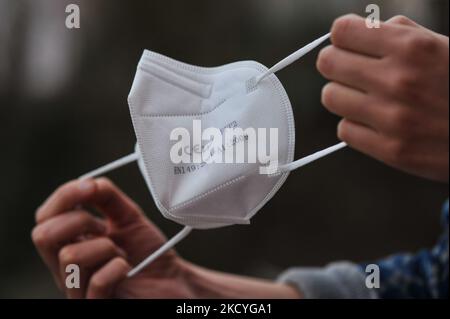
[(168, 94)]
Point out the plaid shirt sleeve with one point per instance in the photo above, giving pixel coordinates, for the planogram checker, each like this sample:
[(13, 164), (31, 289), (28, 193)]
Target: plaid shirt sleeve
[(424, 275)]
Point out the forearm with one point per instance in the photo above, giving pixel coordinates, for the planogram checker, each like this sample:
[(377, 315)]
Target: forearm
[(213, 284)]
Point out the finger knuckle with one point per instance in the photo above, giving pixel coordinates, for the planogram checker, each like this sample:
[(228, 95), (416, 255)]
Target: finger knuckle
[(404, 122), (405, 83), (40, 236), (418, 43), (397, 151), (120, 262), (341, 26), (38, 214), (401, 19), (325, 61), (121, 265), (108, 245), (68, 255), (97, 284), (105, 182), (82, 218), (65, 191), (342, 131), (328, 95)]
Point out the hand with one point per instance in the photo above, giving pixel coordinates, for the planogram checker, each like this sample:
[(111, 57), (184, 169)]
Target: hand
[(391, 87), (106, 248)]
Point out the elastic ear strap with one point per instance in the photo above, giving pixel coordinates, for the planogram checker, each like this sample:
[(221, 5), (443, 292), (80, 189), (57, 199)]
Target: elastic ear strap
[(310, 158), (111, 166), (293, 57), (164, 248)]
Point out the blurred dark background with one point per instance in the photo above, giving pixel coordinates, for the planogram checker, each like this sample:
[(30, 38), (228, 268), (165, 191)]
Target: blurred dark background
[(63, 112)]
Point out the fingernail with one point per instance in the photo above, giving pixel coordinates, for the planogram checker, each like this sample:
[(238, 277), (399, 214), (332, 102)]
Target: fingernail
[(86, 185)]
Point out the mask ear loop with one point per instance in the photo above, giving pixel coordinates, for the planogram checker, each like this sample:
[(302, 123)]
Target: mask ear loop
[(281, 65), (161, 250), (310, 158), (112, 166), (292, 58), (164, 248)]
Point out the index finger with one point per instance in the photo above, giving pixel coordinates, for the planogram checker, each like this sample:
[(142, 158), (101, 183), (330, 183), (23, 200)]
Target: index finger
[(350, 32), (101, 193), (65, 198)]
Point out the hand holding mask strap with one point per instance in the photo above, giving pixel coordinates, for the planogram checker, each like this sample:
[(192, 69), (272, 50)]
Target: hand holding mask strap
[(164, 248)]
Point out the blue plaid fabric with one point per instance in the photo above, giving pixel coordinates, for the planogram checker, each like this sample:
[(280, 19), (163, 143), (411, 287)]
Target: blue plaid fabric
[(424, 275)]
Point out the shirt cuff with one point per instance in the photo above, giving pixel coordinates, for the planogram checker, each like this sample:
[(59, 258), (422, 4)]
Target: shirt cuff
[(336, 281)]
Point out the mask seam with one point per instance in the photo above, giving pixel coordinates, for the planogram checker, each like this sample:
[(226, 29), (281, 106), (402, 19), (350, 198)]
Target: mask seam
[(215, 189), (221, 102), (147, 71), (168, 67), (192, 68)]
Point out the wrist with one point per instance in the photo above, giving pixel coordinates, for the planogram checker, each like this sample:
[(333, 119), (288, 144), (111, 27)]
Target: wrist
[(205, 283)]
